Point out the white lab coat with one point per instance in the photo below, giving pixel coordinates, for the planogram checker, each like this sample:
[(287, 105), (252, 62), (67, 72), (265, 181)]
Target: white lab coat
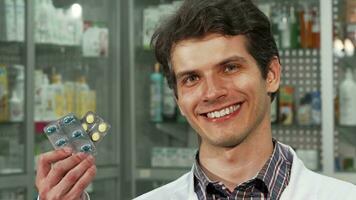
[(304, 184)]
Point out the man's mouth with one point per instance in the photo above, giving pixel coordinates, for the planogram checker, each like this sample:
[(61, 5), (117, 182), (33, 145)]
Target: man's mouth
[(223, 112)]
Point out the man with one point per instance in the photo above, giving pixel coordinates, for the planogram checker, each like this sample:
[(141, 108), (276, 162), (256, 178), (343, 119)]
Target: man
[(222, 62)]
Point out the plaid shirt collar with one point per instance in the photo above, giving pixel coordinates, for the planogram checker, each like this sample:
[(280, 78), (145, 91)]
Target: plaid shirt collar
[(265, 177)]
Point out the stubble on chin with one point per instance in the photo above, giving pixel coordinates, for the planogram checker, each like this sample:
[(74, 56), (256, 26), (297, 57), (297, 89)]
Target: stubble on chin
[(231, 142)]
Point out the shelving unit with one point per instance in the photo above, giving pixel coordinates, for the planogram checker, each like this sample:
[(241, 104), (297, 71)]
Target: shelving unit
[(21, 184)]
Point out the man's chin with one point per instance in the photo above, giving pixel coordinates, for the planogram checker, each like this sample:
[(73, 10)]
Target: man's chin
[(230, 143)]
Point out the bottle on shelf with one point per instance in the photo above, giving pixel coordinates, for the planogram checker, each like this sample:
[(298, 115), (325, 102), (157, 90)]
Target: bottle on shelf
[(69, 92), (294, 28), (285, 29), (43, 17), (43, 103), (20, 20), (275, 20), (347, 101), (16, 108), (305, 18), (286, 105), (305, 110), (316, 108), (58, 95), (4, 93), (81, 96), (315, 28), (8, 29), (156, 81), (17, 96), (47, 98)]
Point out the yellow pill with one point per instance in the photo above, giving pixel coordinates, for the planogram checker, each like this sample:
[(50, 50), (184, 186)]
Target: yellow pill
[(90, 118), (102, 127), (95, 136), (85, 126)]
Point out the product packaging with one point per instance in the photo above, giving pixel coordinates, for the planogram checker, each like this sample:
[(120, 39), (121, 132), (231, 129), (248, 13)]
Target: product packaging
[(305, 110), (4, 93), (347, 101), (17, 96), (156, 104), (316, 108), (286, 105)]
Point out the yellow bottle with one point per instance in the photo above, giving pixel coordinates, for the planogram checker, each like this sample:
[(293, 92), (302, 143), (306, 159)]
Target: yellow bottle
[(58, 96), (69, 88), (4, 94), (81, 96)]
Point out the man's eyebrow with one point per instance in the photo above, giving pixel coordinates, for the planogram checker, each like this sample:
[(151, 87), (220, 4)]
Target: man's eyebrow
[(179, 75), (232, 59)]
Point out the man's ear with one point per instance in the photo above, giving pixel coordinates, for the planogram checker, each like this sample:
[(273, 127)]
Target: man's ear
[(273, 75)]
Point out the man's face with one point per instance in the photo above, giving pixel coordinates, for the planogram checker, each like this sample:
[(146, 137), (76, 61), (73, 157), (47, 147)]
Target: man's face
[(220, 88)]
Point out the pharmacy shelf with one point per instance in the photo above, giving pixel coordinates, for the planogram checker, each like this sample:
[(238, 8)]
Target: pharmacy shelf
[(11, 52), (14, 48), (55, 46), (34, 56), (162, 174), (55, 49)]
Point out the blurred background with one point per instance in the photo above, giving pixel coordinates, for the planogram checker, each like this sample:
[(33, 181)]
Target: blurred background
[(61, 56)]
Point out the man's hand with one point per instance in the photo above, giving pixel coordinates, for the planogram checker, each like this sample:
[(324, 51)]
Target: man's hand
[(61, 175)]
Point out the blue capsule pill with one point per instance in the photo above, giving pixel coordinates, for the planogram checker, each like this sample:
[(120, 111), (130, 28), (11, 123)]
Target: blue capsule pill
[(68, 119), (61, 142), (77, 134), (51, 129), (86, 148)]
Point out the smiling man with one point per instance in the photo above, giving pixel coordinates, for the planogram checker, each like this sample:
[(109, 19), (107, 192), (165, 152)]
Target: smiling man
[(221, 60)]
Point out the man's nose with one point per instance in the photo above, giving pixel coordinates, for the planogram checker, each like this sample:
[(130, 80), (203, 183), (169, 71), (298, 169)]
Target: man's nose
[(215, 88)]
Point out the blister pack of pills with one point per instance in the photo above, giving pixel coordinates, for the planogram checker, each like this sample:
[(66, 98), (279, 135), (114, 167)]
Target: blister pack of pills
[(95, 126), (81, 135)]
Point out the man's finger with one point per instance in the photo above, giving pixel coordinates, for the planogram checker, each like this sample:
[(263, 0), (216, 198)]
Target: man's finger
[(73, 176), (45, 161), (61, 168), (82, 183)]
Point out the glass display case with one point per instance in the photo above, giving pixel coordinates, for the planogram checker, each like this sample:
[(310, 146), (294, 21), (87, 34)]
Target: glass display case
[(168, 149), (57, 57), (12, 83), (296, 113), (73, 69), (344, 85)]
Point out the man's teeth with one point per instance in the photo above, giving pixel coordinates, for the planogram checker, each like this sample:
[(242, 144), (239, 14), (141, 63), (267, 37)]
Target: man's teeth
[(223, 112)]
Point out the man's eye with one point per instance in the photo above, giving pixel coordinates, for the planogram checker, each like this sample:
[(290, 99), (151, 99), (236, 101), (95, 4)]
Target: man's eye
[(230, 68), (190, 80)]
